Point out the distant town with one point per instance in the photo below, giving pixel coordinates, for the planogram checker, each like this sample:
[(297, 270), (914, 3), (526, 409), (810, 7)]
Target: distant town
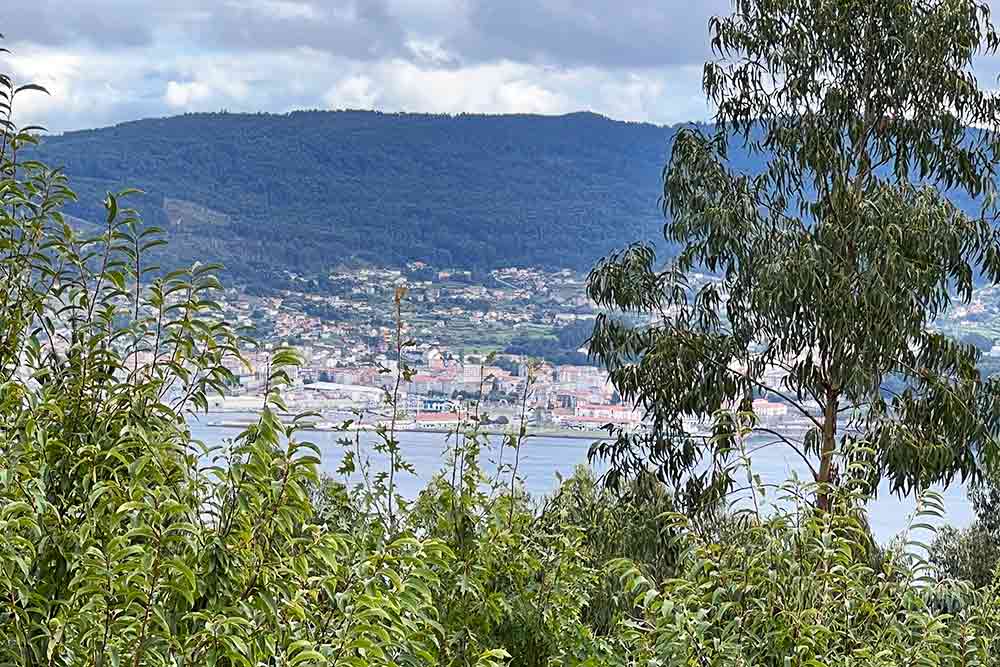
[(510, 342), (498, 342), (460, 334)]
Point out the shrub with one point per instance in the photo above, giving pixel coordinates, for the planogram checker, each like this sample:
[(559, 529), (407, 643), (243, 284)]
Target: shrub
[(798, 589)]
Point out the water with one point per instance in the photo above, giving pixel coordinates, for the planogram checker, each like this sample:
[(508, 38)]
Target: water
[(542, 458)]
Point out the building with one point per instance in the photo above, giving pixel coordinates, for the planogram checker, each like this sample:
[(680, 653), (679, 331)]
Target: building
[(438, 419), (428, 405), (769, 411), (615, 414), (356, 393), (581, 376)]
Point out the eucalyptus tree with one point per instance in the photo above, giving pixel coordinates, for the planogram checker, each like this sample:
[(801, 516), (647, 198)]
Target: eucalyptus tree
[(869, 213)]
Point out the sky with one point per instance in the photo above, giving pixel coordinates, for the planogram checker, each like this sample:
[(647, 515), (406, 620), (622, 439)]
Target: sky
[(108, 61)]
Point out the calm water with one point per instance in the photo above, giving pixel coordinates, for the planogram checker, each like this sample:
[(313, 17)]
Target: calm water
[(543, 458)]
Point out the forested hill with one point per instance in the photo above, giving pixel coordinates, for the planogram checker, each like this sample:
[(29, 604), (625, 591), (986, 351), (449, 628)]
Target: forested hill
[(311, 190)]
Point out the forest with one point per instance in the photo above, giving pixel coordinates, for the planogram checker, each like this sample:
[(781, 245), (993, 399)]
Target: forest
[(317, 190)]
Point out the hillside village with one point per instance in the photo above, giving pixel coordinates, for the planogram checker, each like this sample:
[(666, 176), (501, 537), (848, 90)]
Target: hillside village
[(461, 331), (344, 327), (469, 341)]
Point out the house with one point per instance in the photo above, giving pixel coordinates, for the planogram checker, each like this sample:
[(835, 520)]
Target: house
[(438, 419), (769, 411)]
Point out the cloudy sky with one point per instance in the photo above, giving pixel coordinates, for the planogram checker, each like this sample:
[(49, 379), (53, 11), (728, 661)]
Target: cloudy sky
[(106, 61)]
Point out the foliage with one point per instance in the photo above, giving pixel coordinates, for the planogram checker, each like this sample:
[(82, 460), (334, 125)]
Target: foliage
[(515, 584), (636, 525), (968, 554), (973, 553), (122, 539), (560, 348), (796, 590), (832, 263)]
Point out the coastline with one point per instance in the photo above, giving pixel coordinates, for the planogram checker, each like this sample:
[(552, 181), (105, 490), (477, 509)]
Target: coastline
[(565, 434)]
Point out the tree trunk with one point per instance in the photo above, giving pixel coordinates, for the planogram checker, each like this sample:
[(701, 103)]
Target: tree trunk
[(823, 499)]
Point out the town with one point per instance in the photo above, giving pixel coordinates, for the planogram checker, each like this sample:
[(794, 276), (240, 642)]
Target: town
[(511, 343), (509, 346)]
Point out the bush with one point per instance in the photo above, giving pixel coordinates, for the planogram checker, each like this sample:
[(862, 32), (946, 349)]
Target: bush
[(972, 554), (122, 539), (799, 589)]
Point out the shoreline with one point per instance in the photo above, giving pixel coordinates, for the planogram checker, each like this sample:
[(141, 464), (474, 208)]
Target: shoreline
[(591, 436)]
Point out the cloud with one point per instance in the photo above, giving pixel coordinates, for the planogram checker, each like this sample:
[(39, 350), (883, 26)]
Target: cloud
[(87, 88), (638, 33), (182, 95), (357, 29), (108, 61), (488, 88), (61, 23)]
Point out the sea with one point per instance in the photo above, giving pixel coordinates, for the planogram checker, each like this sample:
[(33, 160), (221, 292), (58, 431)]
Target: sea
[(543, 460)]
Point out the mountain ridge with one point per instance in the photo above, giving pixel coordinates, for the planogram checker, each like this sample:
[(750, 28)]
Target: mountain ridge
[(308, 190)]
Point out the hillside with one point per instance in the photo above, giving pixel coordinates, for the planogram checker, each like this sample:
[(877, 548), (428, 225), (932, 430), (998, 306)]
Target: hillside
[(310, 190)]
